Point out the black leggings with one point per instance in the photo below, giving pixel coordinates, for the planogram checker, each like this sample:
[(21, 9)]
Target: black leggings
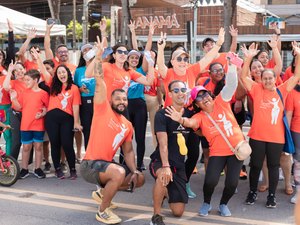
[(59, 126), (272, 151), (137, 109), (86, 112), (192, 155), (215, 166)]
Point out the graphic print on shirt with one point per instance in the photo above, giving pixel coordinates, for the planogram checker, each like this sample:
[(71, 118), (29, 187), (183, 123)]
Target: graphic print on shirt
[(275, 110), (126, 80), (227, 125), (64, 102), (119, 137)]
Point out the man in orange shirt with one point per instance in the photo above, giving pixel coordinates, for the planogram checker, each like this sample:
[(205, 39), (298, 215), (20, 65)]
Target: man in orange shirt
[(98, 166)]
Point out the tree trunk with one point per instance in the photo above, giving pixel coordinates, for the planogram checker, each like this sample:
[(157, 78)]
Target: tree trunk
[(54, 6), (126, 17), (229, 12)]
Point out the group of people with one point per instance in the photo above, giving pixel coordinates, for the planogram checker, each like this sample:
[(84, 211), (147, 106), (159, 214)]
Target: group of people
[(110, 94)]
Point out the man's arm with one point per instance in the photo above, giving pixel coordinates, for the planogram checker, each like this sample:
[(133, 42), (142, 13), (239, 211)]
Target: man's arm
[(31, 34), (129, 156), (100, 89), (47, 46)]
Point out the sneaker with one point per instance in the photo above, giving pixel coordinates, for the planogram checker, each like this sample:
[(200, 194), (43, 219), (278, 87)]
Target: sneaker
[(189, 191), (47, 168), (64, 167), (97, 196), (251, 198), (108, 217), (224, 210), (222, 173), (243, 173), (281, 177), (205, 209), (294, 199), (73, 174), (39, 173), (143, 167), (24, 173), (157, 220), (271, 201), (59, 173)]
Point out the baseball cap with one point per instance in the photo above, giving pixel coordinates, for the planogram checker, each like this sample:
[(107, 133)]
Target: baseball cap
[(196, 90), (134, 52), (207, 40), (83, 47), (179, 52)]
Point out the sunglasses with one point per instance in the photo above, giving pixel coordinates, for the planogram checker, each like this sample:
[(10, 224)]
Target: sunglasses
[(38, 51), (217, 71), (182, 90), (201, 97), (185, 59), (125, 52), (62, 52)]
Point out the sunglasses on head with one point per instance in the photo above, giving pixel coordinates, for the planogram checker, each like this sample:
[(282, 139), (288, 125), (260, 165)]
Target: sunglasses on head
[(182, 90), (185, 59), (217, 71), (125, 52), (201, 97)]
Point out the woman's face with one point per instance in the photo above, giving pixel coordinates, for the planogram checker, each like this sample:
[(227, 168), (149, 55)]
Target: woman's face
[(49, 69), (19, 71), (62, 74), (256, 70), (121, 55), (268, 80), (133, 60), (217, 73), (180, 63), (204, 101), (263, 58)]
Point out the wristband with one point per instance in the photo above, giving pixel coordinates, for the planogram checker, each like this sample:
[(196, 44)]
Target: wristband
[(166, 166)]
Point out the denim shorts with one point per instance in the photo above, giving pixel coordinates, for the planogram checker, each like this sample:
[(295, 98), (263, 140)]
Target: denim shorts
[(28, 137)]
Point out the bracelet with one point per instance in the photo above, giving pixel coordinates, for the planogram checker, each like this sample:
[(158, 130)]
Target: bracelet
[(165, 166)]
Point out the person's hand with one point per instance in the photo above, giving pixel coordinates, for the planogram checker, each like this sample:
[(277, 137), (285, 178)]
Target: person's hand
[(131, 26), (296, 48), (34, 53), (166, 176), (84, 89), (221, 37), (148, 57), (10, 25), (162, 41), (102, 26), (49, 26), (152, 27), (11, 67), (273, 41), (13, 94), (77, 127), (41, 113), (251, 52), (233, 31), (99, 46), (133, 181), (31, 33), (172, 113)]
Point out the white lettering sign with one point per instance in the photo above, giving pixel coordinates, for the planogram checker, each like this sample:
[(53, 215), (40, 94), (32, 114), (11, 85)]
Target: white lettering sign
[(159, 21)]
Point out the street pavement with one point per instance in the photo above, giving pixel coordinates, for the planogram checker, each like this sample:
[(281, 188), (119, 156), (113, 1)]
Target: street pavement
[(50, 201)]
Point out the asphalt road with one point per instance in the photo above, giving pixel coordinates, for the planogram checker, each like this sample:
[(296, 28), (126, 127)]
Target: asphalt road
[(60, 202)]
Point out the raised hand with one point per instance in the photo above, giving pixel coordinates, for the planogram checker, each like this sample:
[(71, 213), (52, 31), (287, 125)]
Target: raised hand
[(131, 26), (173, 114), (102, 25), (162, 41), (273, 43), (233, 31), (296, 48), (49, 26), (100, 49), (152, 27), (251, 52), (221, 36), (31, 33), (10, 25)]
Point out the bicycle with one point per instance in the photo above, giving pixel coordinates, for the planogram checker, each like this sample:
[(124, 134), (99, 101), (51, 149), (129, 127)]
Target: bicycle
[(9, 169)]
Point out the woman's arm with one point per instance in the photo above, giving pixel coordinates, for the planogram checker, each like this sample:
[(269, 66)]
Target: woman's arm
[(231, 83), (7, 79), (10, 54), (47, 45), (31, 35), (234, 34), (148, 45), (161, 44), (44, 73), (102, 27), (134, 43), (273, 43)]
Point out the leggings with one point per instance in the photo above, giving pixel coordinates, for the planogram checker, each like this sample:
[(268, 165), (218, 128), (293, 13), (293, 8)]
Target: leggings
[(192, 155), (215, 166), (86, 112), (137, 109), (7, 133), (272, 151), (59, 126)]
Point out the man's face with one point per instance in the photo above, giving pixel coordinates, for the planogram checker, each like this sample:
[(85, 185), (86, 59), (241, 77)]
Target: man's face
[(119, 102), (62, 54), (178, 93), (208, 46)]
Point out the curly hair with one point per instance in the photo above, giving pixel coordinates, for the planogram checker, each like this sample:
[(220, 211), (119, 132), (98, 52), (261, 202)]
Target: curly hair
[(56, 86)]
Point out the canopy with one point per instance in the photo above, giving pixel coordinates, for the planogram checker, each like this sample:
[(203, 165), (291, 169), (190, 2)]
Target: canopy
[(23, 23)]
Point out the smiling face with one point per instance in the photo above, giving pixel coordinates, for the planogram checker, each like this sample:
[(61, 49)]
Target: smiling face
[(178, 93), (208, 46), (204, 101), (217, 73), (119, 101), (268, 80), (19, 71), (62, 54), (133, 60), (180, 63), (29, 82), (263, 57), (62, 75), (120, 55), (256, 69)]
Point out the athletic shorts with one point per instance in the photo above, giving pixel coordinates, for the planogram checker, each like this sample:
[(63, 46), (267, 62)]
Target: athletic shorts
[(90, 169), (28, 137), (176, 188)]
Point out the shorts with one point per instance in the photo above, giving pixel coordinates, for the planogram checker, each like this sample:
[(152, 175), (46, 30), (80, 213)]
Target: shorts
[(90, 169), (28, 137), (177, 188), (204, 142)]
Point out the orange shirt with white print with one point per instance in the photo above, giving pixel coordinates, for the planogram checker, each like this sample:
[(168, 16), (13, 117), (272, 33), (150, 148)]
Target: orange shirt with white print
[(221, 59), (267, 124), (65, 99), (4, 95), (71, 66), (293, 104), (109, 131), (19, 87), (33, 102), (152, 90), (223, 116), (189, 79), (116, 78)]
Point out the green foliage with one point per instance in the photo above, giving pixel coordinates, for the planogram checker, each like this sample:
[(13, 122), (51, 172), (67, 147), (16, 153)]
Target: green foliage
[(78, 30), (108, 25)]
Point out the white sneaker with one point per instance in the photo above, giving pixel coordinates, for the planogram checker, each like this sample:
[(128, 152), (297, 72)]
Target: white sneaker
[(294, 199), (97, 196), (108, 217), (281, 177)]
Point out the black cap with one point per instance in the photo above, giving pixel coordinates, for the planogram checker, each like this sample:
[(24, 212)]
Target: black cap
[(206, 40)]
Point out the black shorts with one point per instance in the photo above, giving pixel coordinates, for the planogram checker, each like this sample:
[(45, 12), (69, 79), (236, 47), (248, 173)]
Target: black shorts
[(90, 169), (204, 142), (176, 189)]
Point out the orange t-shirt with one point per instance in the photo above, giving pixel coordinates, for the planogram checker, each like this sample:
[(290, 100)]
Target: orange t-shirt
[(210, 86), (109, 131), (287, 74), (267, 124), (116, 78), (29, 65), (152, 90), (71, 66), (189, 78), (32, 102), (65, 99), (292, 103), (221, 59), (4, 95), (19, 87), (223, 116)]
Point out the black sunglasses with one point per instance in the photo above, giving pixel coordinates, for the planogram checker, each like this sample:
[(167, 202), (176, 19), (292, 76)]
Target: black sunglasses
[(125, 52), (201, 97), (185, 59), (217, 71), (182, 90)]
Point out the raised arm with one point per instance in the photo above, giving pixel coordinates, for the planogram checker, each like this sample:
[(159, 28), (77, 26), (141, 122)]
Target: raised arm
[(31, 35), (10, 54), (177, 116), (161, 44), (131, 27), (47, 45), (278, 33), (208, 58), (248, 56), (13, 98), (231, 83), (148, 46), (292, 81), (7, 79), (90, 69), (148, 80), (102, 27), (44, 73), (234, 34), (273, 43)]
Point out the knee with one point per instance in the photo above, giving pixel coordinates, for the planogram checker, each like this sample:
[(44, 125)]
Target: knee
[(118, 174), (141, 180), (178, 211)]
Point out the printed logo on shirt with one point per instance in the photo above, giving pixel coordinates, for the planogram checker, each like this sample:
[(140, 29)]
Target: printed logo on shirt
[(275, 109), (180, 127), (119, 137), (227, 125), (64, 101), (124, 82)]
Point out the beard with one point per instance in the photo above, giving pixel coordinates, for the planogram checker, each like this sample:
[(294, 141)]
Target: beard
[(117, 110)]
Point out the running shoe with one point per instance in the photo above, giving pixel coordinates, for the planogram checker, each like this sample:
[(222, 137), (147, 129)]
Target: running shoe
[(108, 217), (24, 173), (157, 220), (39, 173)]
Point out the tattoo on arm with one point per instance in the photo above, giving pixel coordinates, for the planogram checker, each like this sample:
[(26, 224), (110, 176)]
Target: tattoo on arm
[(98, 69)]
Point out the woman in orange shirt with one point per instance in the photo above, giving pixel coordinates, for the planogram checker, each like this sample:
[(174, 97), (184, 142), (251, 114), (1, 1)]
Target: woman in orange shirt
[(267, 129)]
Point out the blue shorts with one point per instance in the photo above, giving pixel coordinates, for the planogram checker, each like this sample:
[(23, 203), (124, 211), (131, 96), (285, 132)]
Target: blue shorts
[(28, 137)]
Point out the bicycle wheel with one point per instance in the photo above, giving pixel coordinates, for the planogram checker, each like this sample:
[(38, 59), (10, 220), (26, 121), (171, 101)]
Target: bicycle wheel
[(11, 173)]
